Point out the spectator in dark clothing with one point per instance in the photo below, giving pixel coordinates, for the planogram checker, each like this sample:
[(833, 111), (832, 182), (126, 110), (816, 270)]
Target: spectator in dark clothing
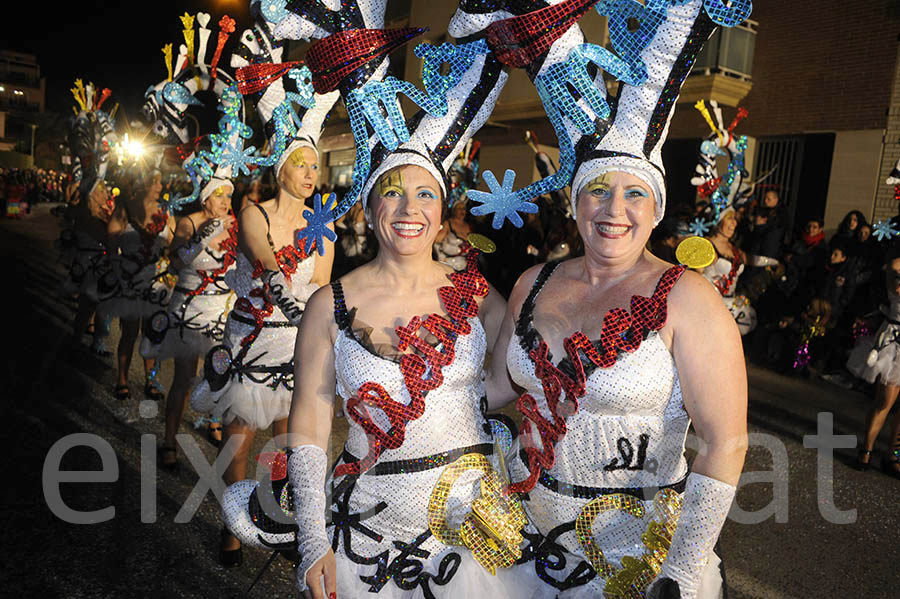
[(804, 257), (766, 234), (848, 231), (762, 240), (836, 282)]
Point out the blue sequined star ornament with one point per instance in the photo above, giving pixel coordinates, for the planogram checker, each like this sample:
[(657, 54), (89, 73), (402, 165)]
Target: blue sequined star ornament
[(699, 227), (884, 230), (317, 222), (501, 201)]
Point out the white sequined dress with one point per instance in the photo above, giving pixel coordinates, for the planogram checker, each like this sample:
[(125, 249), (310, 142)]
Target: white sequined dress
[(141, 270), (626, 438), (378, 520), (195, 319), (724, 274), (252, 380), (876, 358)]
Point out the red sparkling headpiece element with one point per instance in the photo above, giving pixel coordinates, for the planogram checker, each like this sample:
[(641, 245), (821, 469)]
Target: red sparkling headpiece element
[(257, 77), (519, 41), (341, 53)]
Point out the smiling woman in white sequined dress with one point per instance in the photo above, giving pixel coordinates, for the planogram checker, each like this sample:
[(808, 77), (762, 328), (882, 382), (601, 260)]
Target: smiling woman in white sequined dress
[(610, 394), (406, 344)]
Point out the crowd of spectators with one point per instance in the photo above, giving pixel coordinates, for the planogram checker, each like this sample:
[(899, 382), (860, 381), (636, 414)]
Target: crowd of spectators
[(22, 188)]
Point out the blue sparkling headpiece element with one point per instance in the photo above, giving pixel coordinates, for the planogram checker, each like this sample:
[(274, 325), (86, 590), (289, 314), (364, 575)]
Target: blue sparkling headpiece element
[(582, 120), (364, 105), (227, 158)]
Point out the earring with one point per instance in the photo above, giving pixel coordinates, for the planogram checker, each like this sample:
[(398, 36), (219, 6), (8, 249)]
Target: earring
[(441, 228)]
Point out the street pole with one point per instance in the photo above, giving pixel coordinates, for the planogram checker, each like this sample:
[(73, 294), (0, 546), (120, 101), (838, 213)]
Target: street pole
[(33, 127)]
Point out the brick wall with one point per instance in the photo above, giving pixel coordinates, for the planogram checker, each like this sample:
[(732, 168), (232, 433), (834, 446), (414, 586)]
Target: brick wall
[(885, 205), (819, 65)]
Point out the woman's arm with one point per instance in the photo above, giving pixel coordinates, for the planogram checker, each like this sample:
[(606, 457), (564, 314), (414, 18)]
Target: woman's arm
[(309, 426), (114, 229), (707, 349), (309, 422), (709, 357), (498, 385)]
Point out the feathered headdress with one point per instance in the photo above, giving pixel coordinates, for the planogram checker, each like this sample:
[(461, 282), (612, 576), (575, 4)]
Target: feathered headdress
[(653, 46)]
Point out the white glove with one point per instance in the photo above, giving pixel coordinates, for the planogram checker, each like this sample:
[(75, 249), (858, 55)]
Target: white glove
[(703, 512), (281, 294), (199, 240), (306, 471)]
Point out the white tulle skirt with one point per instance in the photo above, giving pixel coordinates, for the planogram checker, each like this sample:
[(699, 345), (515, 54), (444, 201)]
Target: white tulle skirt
[(254, 405), (188, 330), (470, 581), (877, 358)]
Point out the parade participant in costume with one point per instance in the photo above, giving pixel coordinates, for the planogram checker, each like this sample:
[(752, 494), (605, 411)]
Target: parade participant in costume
[(204, 251), (84, 245), (724, 195), (877, 358), (400, 524), (249, 378), (610, 391), (139, 232)]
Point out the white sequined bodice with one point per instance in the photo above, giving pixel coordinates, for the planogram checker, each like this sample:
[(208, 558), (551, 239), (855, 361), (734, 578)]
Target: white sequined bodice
[(639, 395), (452, 416), (208, 261), (242, 281)]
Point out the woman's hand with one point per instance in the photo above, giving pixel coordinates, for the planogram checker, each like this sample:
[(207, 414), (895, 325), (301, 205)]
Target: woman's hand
[(324, 568)]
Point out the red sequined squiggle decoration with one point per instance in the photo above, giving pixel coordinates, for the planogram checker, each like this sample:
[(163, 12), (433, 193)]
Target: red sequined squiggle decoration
[(459, 301), (621, 332), (148, 236), (724, 284), (289, 258), (229, 245)]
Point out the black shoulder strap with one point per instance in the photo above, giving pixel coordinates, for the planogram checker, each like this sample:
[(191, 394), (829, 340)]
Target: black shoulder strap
[(268, 226), (265, 216), (527, 310), (340, 306)]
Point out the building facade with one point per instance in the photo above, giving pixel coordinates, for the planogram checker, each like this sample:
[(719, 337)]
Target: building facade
[(22, 95)]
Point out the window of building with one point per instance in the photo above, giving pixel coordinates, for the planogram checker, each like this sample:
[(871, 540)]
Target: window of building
[(729, 51)]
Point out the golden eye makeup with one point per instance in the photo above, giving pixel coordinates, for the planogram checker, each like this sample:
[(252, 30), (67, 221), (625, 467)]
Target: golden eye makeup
[(391, 181)]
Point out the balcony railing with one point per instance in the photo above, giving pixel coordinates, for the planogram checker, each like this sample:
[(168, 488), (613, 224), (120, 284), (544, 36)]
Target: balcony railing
[(729, 51)]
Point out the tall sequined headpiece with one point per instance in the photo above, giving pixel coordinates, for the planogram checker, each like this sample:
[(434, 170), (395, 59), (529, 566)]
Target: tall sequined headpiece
[(653, 45), (91, 136), (461, 85)]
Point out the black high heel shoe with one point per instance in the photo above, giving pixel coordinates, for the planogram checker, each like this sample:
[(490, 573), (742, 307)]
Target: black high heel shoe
[(860, 464), (229, 558), (890, 463)]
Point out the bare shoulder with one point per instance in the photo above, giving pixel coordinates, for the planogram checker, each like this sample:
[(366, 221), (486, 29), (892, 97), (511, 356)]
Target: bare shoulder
[(693, 291), (319, 313), (695, 306)]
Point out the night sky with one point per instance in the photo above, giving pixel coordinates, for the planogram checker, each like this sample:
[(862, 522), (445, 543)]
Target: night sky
[(115, 45)]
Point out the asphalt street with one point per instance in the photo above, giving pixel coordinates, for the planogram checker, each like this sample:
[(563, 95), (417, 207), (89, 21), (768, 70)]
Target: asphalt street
[(805, 525)]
